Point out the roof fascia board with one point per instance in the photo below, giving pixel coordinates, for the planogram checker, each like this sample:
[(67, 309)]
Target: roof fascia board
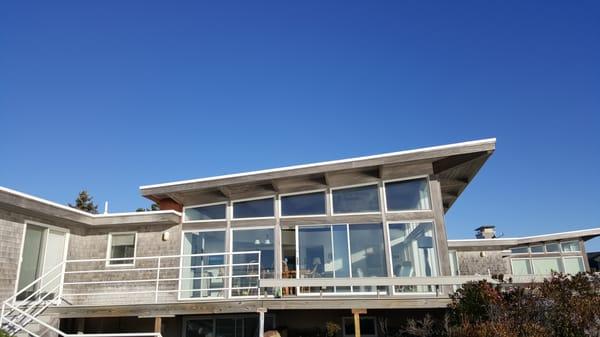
[(501, 242), (305, 169), (49, 208)]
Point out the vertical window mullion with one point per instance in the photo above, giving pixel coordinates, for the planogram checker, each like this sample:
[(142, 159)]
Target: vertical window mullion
[(349, 254), (332, 255)]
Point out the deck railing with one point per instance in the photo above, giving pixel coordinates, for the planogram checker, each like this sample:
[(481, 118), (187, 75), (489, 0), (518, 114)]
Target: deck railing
[(160, 279)]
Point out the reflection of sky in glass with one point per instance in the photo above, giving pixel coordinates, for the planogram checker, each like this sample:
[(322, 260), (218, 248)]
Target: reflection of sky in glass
[(356, 199), (254, 208), (205, 212), (303, 204), (407, 195)]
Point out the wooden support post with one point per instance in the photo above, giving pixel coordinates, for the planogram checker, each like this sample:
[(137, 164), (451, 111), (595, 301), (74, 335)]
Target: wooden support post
[(261, 321), (357, 313), (157, 324)]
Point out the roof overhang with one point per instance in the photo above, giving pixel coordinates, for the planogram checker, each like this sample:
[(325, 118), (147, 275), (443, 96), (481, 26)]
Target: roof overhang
[(505, 243), (28, 204), (455, 165)]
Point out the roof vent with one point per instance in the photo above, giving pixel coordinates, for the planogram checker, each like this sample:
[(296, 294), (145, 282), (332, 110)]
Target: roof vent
[(485, 232)]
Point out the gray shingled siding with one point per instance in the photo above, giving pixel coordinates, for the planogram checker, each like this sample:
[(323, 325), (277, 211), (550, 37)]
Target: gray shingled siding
[(11, 232), (472, 263), (91, 243), (94, 246), (12, 225)]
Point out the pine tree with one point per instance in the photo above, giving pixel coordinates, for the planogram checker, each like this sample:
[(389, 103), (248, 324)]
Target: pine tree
[(153, 207), (85, 203)]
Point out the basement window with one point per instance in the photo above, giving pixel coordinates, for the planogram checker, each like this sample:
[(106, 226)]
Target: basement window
[(121, 249)]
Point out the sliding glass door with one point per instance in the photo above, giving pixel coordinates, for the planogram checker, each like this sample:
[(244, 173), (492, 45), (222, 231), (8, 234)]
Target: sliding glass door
[(43, 251), (340, 251)]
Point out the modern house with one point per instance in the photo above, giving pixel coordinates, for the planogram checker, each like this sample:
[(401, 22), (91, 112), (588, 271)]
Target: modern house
[(354, 242)]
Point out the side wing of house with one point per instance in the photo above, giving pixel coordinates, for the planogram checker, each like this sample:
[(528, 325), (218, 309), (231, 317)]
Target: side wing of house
[(523, 258)]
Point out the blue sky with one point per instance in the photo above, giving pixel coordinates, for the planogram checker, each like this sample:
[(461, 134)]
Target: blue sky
[(111, 95)]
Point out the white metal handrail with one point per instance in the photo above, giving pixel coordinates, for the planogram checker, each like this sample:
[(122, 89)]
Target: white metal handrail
[(157, 276)]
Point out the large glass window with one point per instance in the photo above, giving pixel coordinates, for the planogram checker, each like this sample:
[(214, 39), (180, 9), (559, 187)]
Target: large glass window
[(545, 266), (208, 212), (407, 195), (260, 208), (521, 266), (360, 199), (413, 252), (316, 254), (203, 274), (574, 265), (246, 264), (341, 251), (303, 204), (122, 246)]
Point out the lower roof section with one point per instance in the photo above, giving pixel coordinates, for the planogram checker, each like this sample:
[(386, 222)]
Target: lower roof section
[(505, 243), (19, 202)]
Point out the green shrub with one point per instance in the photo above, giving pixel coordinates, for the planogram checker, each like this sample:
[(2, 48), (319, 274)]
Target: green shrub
[(562, 306)]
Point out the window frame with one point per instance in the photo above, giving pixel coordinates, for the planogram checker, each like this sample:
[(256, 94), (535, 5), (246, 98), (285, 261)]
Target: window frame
[(537, 253), (329, 225), (528, 251), (231, 251), (391, 263), (385, 206), (233, 202), (196, 230), (529, 262), (572, 257), (578, 251), (109, 246), (561, 266), (377, 186), (184, 220), (280, 211), (559, 251)]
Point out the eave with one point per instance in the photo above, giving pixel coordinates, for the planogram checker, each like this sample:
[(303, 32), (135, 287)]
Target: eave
[(31, 205), (455, 165)]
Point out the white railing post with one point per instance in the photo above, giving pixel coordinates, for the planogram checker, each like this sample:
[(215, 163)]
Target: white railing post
[(258, 281), (2, 315), (229, 277), (157, 280), (62, 281)]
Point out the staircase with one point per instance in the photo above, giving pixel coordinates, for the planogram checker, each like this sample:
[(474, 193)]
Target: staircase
[(22, 314)]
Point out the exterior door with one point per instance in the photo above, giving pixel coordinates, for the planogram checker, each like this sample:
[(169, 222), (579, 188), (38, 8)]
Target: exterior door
[(43, 251)]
